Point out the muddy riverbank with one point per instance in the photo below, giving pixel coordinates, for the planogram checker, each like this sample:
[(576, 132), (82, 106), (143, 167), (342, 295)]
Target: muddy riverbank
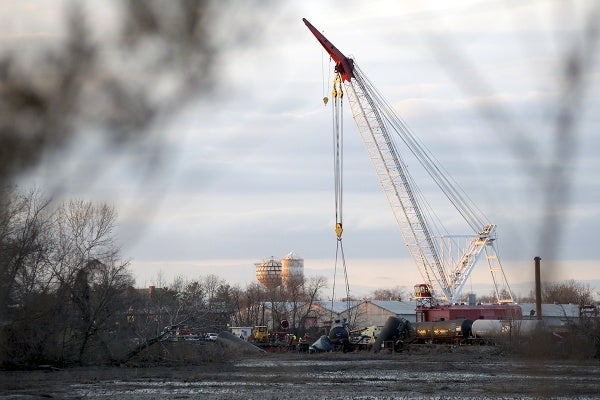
[(448, 373)]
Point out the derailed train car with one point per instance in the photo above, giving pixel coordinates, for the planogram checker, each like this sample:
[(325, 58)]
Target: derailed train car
[(454, 331), (398, 333), (494, 329), (337, 339), (465, 331)]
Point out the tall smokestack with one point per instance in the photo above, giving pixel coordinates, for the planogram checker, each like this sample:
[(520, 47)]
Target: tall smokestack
[(538, 289)]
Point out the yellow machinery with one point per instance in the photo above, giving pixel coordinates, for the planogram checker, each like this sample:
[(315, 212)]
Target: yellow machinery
[(260, 334)]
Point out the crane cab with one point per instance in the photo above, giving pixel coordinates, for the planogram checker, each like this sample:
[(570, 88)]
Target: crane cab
[(422, 291)]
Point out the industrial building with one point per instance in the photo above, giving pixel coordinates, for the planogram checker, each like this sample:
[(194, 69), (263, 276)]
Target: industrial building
[(321, 314)]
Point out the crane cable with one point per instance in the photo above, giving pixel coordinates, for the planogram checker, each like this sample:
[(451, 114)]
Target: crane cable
[(325, 99), (337, 94), (452, 190)]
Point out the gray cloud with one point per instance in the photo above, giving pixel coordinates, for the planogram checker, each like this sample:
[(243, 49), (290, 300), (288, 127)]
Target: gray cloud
[(248, 172)]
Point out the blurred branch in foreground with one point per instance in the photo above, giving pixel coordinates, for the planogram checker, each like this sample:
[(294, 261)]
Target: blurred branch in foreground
[(115, 78), (550, 172)]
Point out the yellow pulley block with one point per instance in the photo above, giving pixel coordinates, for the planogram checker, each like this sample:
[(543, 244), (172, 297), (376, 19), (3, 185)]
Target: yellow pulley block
[(337, 90), (339, 230)]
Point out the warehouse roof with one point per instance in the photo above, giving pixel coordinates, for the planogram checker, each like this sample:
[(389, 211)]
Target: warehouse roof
[(552, 310)]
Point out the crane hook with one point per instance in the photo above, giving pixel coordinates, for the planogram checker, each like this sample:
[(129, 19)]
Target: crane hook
[(325, 100)]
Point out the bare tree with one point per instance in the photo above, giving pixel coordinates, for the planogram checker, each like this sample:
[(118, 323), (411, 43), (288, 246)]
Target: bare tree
[(227, 297), (567, 292), (27, 304), (492, 297), (295, 296), (88, 272), (211, 284), (312, 293), (24, 245), (395, 293), (194, 294), (194, 306), (60, 272), (356, 316), (249, 311), (63, 281), (152, 317)]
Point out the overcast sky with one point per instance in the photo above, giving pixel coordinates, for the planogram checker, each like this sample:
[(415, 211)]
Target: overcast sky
[(248, 172)]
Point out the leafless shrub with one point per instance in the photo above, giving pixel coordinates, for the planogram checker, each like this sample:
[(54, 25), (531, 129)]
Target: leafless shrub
[(576, 341), (178, 353)]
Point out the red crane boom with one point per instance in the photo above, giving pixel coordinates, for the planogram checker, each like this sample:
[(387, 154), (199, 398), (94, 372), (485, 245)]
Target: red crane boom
[(343, 64)]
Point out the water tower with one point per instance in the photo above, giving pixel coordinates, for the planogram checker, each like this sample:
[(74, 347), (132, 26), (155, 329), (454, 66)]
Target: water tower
[(268, 273), (292, 271)]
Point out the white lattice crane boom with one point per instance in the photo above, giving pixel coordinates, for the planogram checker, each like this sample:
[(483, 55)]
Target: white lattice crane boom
[(375, 119)]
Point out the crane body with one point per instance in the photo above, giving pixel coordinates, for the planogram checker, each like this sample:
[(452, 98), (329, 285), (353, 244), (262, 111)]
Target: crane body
[(376, 122)]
